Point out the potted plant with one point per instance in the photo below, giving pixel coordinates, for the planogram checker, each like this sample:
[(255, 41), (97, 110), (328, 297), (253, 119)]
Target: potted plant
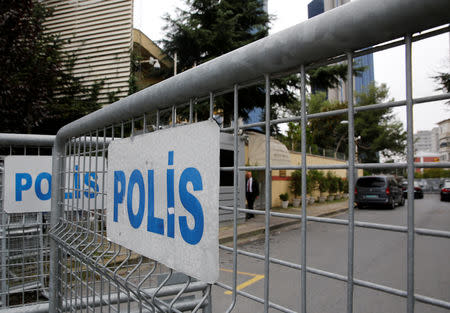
[(296, 187), (323, 186), (284, 197), (311, 183), (332, 186), (345, 188), (337, 194), (340, 182)]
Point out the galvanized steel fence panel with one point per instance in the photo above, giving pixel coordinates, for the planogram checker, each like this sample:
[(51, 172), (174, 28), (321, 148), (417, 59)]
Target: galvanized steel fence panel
[(24, 251), (90, 273)]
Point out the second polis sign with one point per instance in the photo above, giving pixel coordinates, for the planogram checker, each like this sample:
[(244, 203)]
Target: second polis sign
[(163, 197)]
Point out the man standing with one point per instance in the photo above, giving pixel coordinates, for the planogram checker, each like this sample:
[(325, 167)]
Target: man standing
[(251, 192)]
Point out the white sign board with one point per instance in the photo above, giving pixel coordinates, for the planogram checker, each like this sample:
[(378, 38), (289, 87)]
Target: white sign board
[(163, 197), (28, 180)]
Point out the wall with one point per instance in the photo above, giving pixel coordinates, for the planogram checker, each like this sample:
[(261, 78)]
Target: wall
[(280, 179), (280, 183), (99, 34)]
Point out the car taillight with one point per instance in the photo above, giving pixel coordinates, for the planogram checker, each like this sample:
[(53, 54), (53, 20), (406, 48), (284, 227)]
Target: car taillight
[(388, 191), (356, 191), (445, 190), (416, 188)]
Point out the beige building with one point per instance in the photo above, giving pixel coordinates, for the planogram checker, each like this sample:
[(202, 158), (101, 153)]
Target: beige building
[(280, 155), (145, 50), (444, 139)]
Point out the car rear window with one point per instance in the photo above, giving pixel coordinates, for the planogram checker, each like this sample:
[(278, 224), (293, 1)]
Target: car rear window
[(370, 182)]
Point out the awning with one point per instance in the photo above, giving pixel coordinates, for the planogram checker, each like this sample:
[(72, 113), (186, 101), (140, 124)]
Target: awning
[(279, 154)]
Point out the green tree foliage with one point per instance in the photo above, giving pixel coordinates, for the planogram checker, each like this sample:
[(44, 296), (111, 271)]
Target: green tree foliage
[(210, 28), (333, 182), (325, 77), (295, 184), (38, 91), (433, 173), (380, 133), (443, 79), (312, 180)]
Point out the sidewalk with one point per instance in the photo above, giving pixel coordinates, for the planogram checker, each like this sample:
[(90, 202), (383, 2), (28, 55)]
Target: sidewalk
[(256, 226)]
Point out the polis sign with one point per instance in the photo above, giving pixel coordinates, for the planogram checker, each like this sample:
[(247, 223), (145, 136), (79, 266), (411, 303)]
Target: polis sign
[(163, 197)]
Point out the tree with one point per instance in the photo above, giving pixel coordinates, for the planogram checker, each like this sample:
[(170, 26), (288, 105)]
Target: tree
[(443, 79), (380, 133), (293, 137), (210, 28), (38, 91)]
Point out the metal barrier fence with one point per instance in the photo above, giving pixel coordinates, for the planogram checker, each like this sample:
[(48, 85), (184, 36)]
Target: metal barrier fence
[(24, 263), (431, 185), (88, 271)]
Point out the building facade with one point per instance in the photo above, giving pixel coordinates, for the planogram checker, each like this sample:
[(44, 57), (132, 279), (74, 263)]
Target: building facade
[(427, 140), (422, 156), (364, 79), (101, 37), (444, 139)]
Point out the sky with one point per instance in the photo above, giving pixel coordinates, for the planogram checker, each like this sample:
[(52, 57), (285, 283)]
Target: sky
[(429, 56)]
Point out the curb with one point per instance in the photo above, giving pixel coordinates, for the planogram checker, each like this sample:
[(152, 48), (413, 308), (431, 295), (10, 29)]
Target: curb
[(261, 230)]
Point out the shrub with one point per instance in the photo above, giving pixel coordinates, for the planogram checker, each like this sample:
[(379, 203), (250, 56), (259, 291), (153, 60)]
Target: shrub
[(332, 183), (296, 183), (345, 185), (322, 181), (341, 184), (284, 196), (312, 180)]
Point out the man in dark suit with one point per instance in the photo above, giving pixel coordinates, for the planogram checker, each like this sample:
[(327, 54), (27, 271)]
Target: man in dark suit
[(251, 192)]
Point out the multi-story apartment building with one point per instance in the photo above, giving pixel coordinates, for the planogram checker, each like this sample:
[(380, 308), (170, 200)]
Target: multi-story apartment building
[(427, 140), (100, 35), (444, 139)]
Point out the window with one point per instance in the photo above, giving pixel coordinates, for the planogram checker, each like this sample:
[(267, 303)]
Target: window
[(371, 182), (226, 159)]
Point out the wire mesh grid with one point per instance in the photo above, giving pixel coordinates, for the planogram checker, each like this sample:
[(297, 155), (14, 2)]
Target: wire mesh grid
[(93, 273), (24, 243)]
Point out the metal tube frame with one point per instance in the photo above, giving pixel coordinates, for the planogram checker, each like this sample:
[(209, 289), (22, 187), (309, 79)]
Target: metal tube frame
[(33, 229), (345, 33)]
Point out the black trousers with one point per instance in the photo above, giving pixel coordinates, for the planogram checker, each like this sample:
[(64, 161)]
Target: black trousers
[(250, 201)]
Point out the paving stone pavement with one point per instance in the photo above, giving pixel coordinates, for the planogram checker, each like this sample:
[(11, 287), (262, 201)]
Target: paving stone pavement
[(256, 226)]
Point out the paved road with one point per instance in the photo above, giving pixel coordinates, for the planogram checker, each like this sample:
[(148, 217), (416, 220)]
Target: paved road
[(380, 257)]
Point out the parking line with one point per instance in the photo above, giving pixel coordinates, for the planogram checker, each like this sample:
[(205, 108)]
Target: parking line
[(256, 278)]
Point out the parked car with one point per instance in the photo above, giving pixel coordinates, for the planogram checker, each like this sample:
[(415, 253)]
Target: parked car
[(445, 191), (418, 192), (371, 191)]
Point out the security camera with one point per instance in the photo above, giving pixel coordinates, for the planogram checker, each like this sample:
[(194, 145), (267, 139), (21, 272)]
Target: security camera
[(154, 62)]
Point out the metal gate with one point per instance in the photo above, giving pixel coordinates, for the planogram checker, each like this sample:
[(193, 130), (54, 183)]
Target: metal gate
[(89, 272), (24, 263)]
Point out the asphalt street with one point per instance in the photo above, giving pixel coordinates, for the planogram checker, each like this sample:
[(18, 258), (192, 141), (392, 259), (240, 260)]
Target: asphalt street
[(380, 257)]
